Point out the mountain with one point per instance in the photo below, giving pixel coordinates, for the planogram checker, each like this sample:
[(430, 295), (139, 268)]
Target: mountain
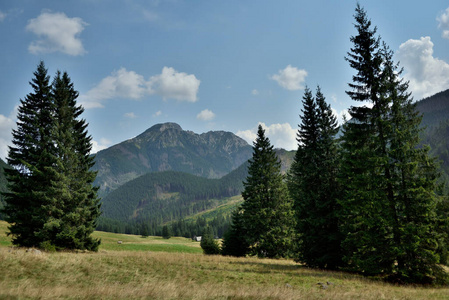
[(286, 158), (3, 183), (161, 197), (435, 109), (167, 147)]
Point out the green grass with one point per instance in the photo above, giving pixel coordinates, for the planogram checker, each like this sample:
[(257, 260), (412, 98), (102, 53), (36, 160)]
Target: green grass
[(137, 272), (138, 243), (129, 242)]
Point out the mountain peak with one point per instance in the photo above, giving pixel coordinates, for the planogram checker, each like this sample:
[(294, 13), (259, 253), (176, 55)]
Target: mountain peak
[(161, 128), (165, 126), (165, 147)]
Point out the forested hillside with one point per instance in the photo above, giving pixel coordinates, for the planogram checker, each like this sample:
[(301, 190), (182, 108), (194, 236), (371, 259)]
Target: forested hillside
[(3, 184), (166, 147), (435, 109), (157, 198), (437, 137)]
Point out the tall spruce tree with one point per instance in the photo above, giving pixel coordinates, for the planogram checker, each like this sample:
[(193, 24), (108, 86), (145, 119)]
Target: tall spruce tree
[(388, 206), (53, 204), (415, 206), (28, 156), (266, 213), (313, 185), (71, 201)]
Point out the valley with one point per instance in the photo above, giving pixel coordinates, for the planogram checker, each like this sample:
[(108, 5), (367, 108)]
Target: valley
[(170, 176)]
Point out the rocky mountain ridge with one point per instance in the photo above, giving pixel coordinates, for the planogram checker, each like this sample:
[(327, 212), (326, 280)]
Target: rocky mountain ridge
[(167, 147)]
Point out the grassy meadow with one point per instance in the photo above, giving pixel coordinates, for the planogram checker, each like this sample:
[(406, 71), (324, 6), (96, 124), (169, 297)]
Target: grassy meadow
[(154, 268)]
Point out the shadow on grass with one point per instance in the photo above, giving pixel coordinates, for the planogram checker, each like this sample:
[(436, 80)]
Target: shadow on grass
[(299, 270)]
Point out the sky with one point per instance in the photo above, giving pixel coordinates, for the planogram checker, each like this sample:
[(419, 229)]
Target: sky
[(208, 64)]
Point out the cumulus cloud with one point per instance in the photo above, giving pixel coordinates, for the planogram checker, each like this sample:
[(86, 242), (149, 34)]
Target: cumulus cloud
[(280, 135), (171, 84), (120, 84), (341, 115), (255, 92), (101, 145), (56, 32), (205, 115), (7, 124), (248, 135), (443, 23), (291, 78), (158, 113), (427, 74), (125, 84)]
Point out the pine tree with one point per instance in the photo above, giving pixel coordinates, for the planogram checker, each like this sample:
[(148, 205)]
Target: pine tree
[(234, 243), (52, 203), (267, 214), (29, 156), (416, 208), (71, 200), (388, 206), (313, 185), (166, 232), (208, 243)]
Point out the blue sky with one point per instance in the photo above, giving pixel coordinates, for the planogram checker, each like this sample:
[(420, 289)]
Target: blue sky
[(207, 65)]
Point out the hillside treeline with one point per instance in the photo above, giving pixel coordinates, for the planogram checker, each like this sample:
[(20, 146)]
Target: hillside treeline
[(3, 185), (434, 109), (148, 202)]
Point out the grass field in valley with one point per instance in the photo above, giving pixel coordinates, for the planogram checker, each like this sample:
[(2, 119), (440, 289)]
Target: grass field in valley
[(153, 268)]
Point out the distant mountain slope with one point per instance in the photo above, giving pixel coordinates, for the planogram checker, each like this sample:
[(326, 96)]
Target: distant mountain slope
[(437, 137), (162, 197), (3, 183), (435, 109), (286, 158), (166, 147)]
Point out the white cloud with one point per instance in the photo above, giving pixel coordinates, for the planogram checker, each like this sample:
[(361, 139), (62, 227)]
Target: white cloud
[(443, 23), (7, 124), (280, 135), (120, 84), (98, 146), (171, 84), (158, 113), (130, 115), (249, 135), (291, 78), (205, 115), (126, 84), (2, 16), (427, 74), (56, 32), (341, 115), (255, 92)]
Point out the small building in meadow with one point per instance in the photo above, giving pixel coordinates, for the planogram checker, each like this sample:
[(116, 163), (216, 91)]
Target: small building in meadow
[(196, 238)]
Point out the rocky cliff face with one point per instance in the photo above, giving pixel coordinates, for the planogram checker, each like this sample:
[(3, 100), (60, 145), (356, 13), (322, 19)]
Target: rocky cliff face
[(165, 147)]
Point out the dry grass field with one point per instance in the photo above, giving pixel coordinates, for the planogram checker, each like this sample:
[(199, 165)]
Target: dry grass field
[(138, 271)]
